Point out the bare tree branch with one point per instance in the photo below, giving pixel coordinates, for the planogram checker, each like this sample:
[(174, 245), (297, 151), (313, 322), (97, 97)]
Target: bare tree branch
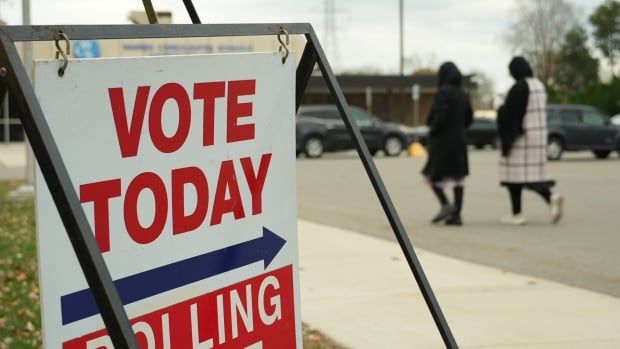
[(537, 33)]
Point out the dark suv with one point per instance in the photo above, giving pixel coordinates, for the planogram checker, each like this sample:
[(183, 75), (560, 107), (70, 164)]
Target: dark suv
[(580, 127), (319, 128), (482, 132)]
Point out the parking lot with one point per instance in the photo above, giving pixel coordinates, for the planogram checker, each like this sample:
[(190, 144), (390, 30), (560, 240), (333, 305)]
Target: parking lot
[(581, 251)]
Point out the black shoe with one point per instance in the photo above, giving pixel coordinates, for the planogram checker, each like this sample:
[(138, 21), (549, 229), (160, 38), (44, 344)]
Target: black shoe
[(454, 219), (445, 212)]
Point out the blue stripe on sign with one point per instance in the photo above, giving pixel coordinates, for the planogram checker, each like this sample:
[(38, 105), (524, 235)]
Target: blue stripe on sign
[(81, 304)]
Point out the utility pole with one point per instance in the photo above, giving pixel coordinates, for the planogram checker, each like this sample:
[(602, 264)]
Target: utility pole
[(28, 64), (27, 45), (401, 36), (26, 190), (401, 61)]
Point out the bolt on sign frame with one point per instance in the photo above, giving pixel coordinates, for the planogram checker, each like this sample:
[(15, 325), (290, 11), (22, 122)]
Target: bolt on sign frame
[(13, 77)]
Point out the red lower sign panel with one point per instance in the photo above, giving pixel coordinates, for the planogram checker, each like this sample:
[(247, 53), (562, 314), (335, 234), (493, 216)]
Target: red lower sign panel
[(255, 313)]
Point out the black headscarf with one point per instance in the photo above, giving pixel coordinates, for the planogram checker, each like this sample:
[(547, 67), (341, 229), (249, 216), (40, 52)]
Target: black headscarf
[(510, 115), (449, 74), (520, 68)]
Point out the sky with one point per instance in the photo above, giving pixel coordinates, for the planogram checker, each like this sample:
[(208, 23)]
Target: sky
[(468, 33)]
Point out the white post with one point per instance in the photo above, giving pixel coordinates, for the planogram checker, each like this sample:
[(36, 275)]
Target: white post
[(415, 95), (369, 99), (7, 121)]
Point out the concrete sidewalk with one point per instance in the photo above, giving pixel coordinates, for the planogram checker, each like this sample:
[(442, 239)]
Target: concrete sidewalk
[(13, 154), (12, 160), (359, 291)]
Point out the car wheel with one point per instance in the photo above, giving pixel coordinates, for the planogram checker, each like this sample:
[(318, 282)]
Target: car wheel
[(313, 147), (479, 146), (392, 146), (555, 148), (601, 154)]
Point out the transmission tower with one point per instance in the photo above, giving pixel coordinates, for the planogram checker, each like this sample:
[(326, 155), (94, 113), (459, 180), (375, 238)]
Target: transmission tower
[(331, 44)]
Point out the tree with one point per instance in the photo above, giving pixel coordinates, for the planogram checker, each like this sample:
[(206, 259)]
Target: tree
[(576, 68), (363, 70), (606, 23), (603, 95), (538, 32), (484, 93), (417, 62)]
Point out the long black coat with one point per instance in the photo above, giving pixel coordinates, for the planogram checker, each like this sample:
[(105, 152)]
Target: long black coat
[(448, 120)]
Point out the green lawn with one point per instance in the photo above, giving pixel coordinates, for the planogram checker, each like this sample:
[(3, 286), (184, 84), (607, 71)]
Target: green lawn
[(20, 322)]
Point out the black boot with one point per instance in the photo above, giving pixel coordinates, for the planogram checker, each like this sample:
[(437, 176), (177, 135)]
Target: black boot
[(446, 211), (455, 217)]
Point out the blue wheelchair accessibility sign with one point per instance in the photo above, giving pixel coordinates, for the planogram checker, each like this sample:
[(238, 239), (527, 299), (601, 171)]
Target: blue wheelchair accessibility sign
[(86, 49)]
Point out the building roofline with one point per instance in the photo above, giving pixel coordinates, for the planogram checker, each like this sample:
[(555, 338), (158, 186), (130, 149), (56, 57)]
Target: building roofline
[(362, 81)]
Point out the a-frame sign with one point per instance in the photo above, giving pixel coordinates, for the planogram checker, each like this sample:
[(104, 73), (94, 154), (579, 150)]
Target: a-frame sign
[(13, 76)]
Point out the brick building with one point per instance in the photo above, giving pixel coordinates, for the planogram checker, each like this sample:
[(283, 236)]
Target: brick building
[(389, 97)]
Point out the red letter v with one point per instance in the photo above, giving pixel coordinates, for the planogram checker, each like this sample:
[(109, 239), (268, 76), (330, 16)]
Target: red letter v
[(128, 134)]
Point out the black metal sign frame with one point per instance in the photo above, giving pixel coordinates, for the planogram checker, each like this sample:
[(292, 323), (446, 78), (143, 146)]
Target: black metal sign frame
[(14, 77)]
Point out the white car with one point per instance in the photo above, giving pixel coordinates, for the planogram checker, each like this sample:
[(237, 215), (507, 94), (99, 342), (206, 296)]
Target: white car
[(615, 119)]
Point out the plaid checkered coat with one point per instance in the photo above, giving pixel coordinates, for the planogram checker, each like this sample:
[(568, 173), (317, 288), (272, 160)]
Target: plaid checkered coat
[(527, 160)]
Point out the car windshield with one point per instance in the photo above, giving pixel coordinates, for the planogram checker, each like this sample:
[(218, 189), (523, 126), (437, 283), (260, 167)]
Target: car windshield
[(360, 115), (320, 113), (593, 117)]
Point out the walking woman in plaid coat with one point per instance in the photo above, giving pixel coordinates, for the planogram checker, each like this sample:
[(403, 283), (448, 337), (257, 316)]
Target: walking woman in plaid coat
[(522, 126)]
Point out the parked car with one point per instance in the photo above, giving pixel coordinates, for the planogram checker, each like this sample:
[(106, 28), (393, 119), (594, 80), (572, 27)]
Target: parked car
[(420, 134), (580, 127), (615, 119), (482, 132), (570, 127), (319, 129)]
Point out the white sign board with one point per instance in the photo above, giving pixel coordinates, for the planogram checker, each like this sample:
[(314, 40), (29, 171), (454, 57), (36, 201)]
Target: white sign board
[(185, 167)]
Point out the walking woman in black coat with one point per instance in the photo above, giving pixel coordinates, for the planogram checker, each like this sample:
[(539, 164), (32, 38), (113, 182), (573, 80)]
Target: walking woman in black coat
[(449, 118)]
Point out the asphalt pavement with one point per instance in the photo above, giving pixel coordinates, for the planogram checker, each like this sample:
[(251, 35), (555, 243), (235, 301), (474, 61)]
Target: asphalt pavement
[(492, 281), (582, 250)]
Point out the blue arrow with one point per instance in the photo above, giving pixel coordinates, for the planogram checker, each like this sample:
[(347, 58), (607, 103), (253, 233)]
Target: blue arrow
[(81, 304)]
